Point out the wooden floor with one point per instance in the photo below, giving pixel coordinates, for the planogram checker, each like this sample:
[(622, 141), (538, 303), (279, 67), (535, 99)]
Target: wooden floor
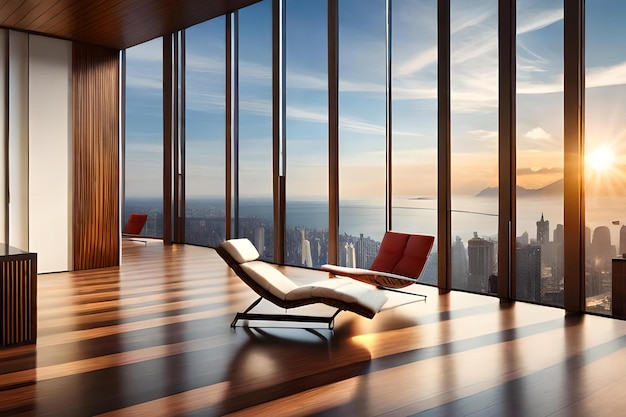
[(153, 338)]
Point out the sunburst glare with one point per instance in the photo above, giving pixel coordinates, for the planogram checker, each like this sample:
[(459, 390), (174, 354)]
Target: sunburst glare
[(600, 160)]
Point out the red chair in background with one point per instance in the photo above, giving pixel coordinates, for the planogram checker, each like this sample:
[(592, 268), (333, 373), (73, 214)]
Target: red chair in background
[(134, 226), (399, 262)]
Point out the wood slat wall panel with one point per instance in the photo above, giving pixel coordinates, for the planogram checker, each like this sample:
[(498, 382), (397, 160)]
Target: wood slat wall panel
[(95, 115), (18, 300), (117, 24)]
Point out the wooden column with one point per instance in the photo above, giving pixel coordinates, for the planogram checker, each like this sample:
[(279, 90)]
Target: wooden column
[(95, 149)]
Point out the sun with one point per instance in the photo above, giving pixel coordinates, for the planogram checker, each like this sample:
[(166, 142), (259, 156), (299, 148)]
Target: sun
[(600, 160)]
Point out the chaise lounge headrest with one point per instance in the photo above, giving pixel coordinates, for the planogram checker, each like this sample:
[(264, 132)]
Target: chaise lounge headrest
[(242, 250)]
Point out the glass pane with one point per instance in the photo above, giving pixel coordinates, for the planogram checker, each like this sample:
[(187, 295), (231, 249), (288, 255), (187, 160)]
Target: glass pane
[(539, 243), (605, 156), (306, 37), (414, 122), (362, 138), (205, 152), (474, 154), (256, 220), (143, 176)]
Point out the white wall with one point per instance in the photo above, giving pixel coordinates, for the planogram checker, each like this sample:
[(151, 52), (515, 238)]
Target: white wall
[(49, 157), (18, 140), (4, 123)]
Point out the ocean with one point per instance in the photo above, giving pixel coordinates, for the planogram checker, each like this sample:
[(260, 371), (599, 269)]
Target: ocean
[(469, 214)]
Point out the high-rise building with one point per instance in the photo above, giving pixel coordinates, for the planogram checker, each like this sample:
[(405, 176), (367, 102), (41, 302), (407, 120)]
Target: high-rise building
[(522, 239), (622, 240), (559, 234), (366, 250), (601, 248), (528, 272), (350, 255), (459, 264), (558, 265), (543, 231), (481, 254), (259, 239), (306, 258)]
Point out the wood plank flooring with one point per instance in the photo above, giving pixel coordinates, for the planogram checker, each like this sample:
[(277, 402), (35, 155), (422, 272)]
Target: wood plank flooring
[(152, 338)]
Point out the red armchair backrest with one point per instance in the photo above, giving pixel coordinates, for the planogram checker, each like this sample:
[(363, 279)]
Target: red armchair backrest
[(135, 223), (403, 254)]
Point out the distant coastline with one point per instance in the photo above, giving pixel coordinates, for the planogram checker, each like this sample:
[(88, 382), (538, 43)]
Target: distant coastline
[(550, 190)]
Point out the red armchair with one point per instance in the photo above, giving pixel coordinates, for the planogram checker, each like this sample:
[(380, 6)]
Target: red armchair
[(399, 262)]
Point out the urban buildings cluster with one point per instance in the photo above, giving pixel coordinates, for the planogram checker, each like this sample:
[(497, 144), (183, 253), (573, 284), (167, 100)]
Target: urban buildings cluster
[(539, 260)]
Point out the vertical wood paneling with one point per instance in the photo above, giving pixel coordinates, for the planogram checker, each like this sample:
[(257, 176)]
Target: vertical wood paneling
[(95, 117), (18, 300)]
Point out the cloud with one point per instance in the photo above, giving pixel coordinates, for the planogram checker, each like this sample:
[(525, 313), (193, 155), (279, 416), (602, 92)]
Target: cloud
[(205, 64), (537, 134), (257, 106), (540, 88), (360, 126), (249, 71), (539, 171), (205, 101), (606, 76), (530, 20), (147, 52), (469, 17), (418, 62), (147, 83), (484, 134)]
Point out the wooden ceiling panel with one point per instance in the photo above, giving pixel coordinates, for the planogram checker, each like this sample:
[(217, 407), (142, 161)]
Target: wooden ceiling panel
[(117, 24)]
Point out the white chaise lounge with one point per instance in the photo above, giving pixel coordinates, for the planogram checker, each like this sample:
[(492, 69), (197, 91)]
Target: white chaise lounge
[(272, 285)]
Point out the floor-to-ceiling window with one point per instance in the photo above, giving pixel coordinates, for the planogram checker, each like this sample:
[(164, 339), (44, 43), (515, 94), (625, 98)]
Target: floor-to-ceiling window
[(205, 117), (255, 127), (306, 95), (474, 143), (362, 136), (414, 121), (367, 48), (539, 137), (143, 170), (605, 149)]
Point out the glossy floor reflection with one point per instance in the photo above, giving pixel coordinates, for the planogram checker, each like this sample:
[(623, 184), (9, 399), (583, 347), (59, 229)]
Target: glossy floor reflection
[(153, 338)]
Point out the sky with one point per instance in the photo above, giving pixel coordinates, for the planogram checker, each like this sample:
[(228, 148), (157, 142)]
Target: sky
[(362, 85)]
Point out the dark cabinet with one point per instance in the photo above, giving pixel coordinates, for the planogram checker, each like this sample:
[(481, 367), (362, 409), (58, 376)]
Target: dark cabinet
[(18, 296)]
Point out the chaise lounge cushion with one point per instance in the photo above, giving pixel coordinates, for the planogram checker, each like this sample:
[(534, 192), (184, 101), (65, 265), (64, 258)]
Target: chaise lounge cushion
[(272, 284), (342, 289), (242, 250), (269, 278)]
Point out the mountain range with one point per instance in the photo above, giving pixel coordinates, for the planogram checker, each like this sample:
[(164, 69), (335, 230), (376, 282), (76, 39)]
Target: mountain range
[(550, 190)]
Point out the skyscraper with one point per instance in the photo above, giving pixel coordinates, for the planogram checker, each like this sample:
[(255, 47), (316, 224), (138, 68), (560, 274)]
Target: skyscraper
[(528, 272), (350, 255), (307, 260), (543, 231), (459, 264), (481, 255), (622, 240), (259, 239)]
